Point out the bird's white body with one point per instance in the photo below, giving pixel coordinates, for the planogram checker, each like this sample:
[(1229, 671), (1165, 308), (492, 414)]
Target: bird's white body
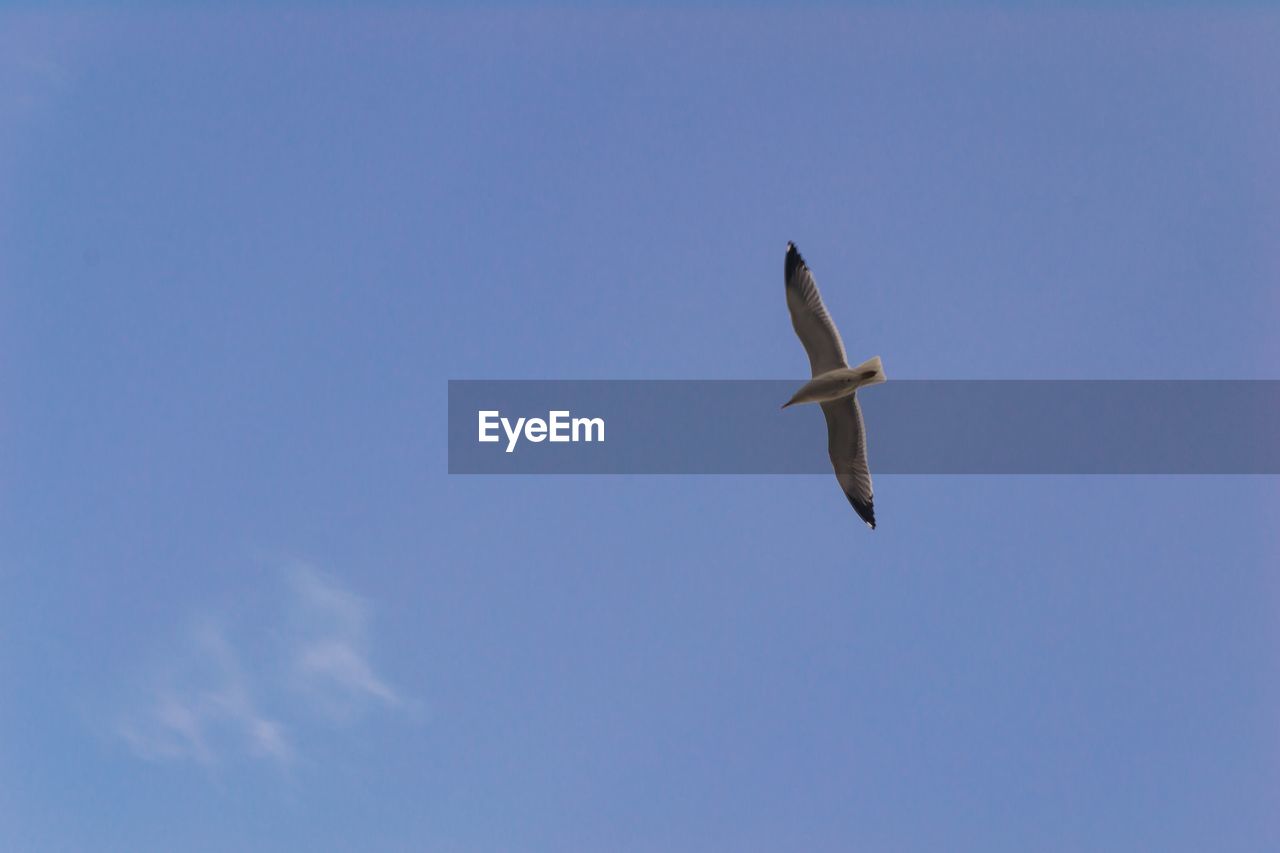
[(838, 383)]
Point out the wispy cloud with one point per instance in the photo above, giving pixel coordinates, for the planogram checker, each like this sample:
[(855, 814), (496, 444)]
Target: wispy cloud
[(204, 709), (329, 654), (40, 58), (307, 659)]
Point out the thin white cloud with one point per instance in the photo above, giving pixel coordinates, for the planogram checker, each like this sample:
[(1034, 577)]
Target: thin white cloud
[(307, 657), (339, 664), (329, 646), (41, 56), (205, 709)]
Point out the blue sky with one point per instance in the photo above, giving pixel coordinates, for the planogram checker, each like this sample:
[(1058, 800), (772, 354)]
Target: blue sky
[(242, 605)]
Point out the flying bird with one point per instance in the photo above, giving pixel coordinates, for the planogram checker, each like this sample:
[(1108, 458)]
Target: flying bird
[(834, 385)]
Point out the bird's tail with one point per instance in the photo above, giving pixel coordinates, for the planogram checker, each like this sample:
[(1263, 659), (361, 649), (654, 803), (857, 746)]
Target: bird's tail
[(873, 367)]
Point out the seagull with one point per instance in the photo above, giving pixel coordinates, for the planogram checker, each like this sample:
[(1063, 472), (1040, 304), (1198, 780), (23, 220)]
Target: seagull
[(834, 385)]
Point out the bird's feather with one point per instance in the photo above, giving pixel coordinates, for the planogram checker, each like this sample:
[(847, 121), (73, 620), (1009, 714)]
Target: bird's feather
[(809, 317), (847, 447)]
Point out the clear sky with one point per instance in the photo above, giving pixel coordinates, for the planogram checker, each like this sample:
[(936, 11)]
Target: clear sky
[(243, 606)]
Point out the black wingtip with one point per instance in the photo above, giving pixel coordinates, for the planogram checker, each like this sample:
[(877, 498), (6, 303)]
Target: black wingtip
[(794, 261), (865, 510)]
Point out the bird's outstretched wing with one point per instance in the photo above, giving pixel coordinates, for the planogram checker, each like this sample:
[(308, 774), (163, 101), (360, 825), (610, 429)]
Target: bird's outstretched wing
[(847, 446), (809, 317)]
